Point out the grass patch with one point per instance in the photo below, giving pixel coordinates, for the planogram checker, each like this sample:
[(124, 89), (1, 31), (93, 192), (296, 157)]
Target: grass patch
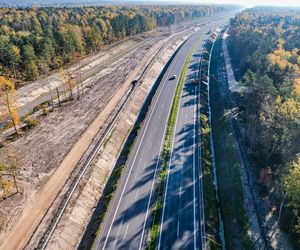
[(230, 186), (165, 157)]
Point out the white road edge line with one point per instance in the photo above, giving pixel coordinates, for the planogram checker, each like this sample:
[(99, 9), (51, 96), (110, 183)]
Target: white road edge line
[(126, 231), (201, 209), (168, 173)]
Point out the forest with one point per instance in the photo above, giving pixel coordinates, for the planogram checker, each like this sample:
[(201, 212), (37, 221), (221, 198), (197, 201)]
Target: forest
[(265, 50), (35, 41)]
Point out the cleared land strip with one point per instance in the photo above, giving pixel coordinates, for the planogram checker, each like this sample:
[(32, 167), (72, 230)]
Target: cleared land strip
[(33, 214), (99, 65)]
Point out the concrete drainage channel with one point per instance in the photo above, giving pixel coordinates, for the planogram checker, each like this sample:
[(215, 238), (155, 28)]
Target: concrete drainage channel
[(93, 152)]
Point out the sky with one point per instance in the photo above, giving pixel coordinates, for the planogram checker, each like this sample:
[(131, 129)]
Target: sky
[(248, 3)]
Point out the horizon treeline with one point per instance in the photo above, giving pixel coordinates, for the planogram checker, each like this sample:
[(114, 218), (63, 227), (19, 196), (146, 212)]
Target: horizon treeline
[(34, 41), (265, 48)]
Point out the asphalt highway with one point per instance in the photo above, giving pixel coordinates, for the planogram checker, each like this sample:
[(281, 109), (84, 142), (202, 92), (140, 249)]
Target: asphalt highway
[(182, 215), (127, 219)]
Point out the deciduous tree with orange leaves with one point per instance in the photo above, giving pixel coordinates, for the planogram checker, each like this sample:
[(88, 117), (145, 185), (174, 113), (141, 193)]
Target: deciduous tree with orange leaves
[(8, 102)]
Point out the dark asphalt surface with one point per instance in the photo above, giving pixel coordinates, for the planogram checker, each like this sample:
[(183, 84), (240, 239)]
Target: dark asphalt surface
[(128, 216), (182, 208)]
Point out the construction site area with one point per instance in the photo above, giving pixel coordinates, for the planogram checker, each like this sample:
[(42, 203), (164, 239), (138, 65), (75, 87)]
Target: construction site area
[(69, 152)]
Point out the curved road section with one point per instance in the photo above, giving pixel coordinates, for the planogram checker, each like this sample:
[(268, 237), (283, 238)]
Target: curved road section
[(127, 219)]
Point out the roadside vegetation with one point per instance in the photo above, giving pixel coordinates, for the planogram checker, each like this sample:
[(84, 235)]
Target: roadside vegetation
[(34, 41), (8, 102), (265, 49), (212, 225), (166, 153), (230, 187)]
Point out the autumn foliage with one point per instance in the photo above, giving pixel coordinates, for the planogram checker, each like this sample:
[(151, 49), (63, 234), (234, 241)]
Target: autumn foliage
[(34, 41), (8, 103), (264, 44)]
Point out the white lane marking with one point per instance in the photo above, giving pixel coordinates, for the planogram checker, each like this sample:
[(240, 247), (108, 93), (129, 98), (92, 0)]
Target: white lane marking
[(145, 165), (136, 194), (138, 149), (166, 191), (126, 231), (150, 145), (167, 182), (157, 165), (153, 181)]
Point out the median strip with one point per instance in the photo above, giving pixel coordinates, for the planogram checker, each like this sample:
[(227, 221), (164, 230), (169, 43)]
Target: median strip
[(212, 223)]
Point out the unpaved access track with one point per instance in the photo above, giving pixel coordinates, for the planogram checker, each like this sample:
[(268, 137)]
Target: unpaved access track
[(51, 151)]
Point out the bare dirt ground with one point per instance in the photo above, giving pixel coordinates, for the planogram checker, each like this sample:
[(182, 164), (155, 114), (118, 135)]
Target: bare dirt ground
[(45, 147)]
